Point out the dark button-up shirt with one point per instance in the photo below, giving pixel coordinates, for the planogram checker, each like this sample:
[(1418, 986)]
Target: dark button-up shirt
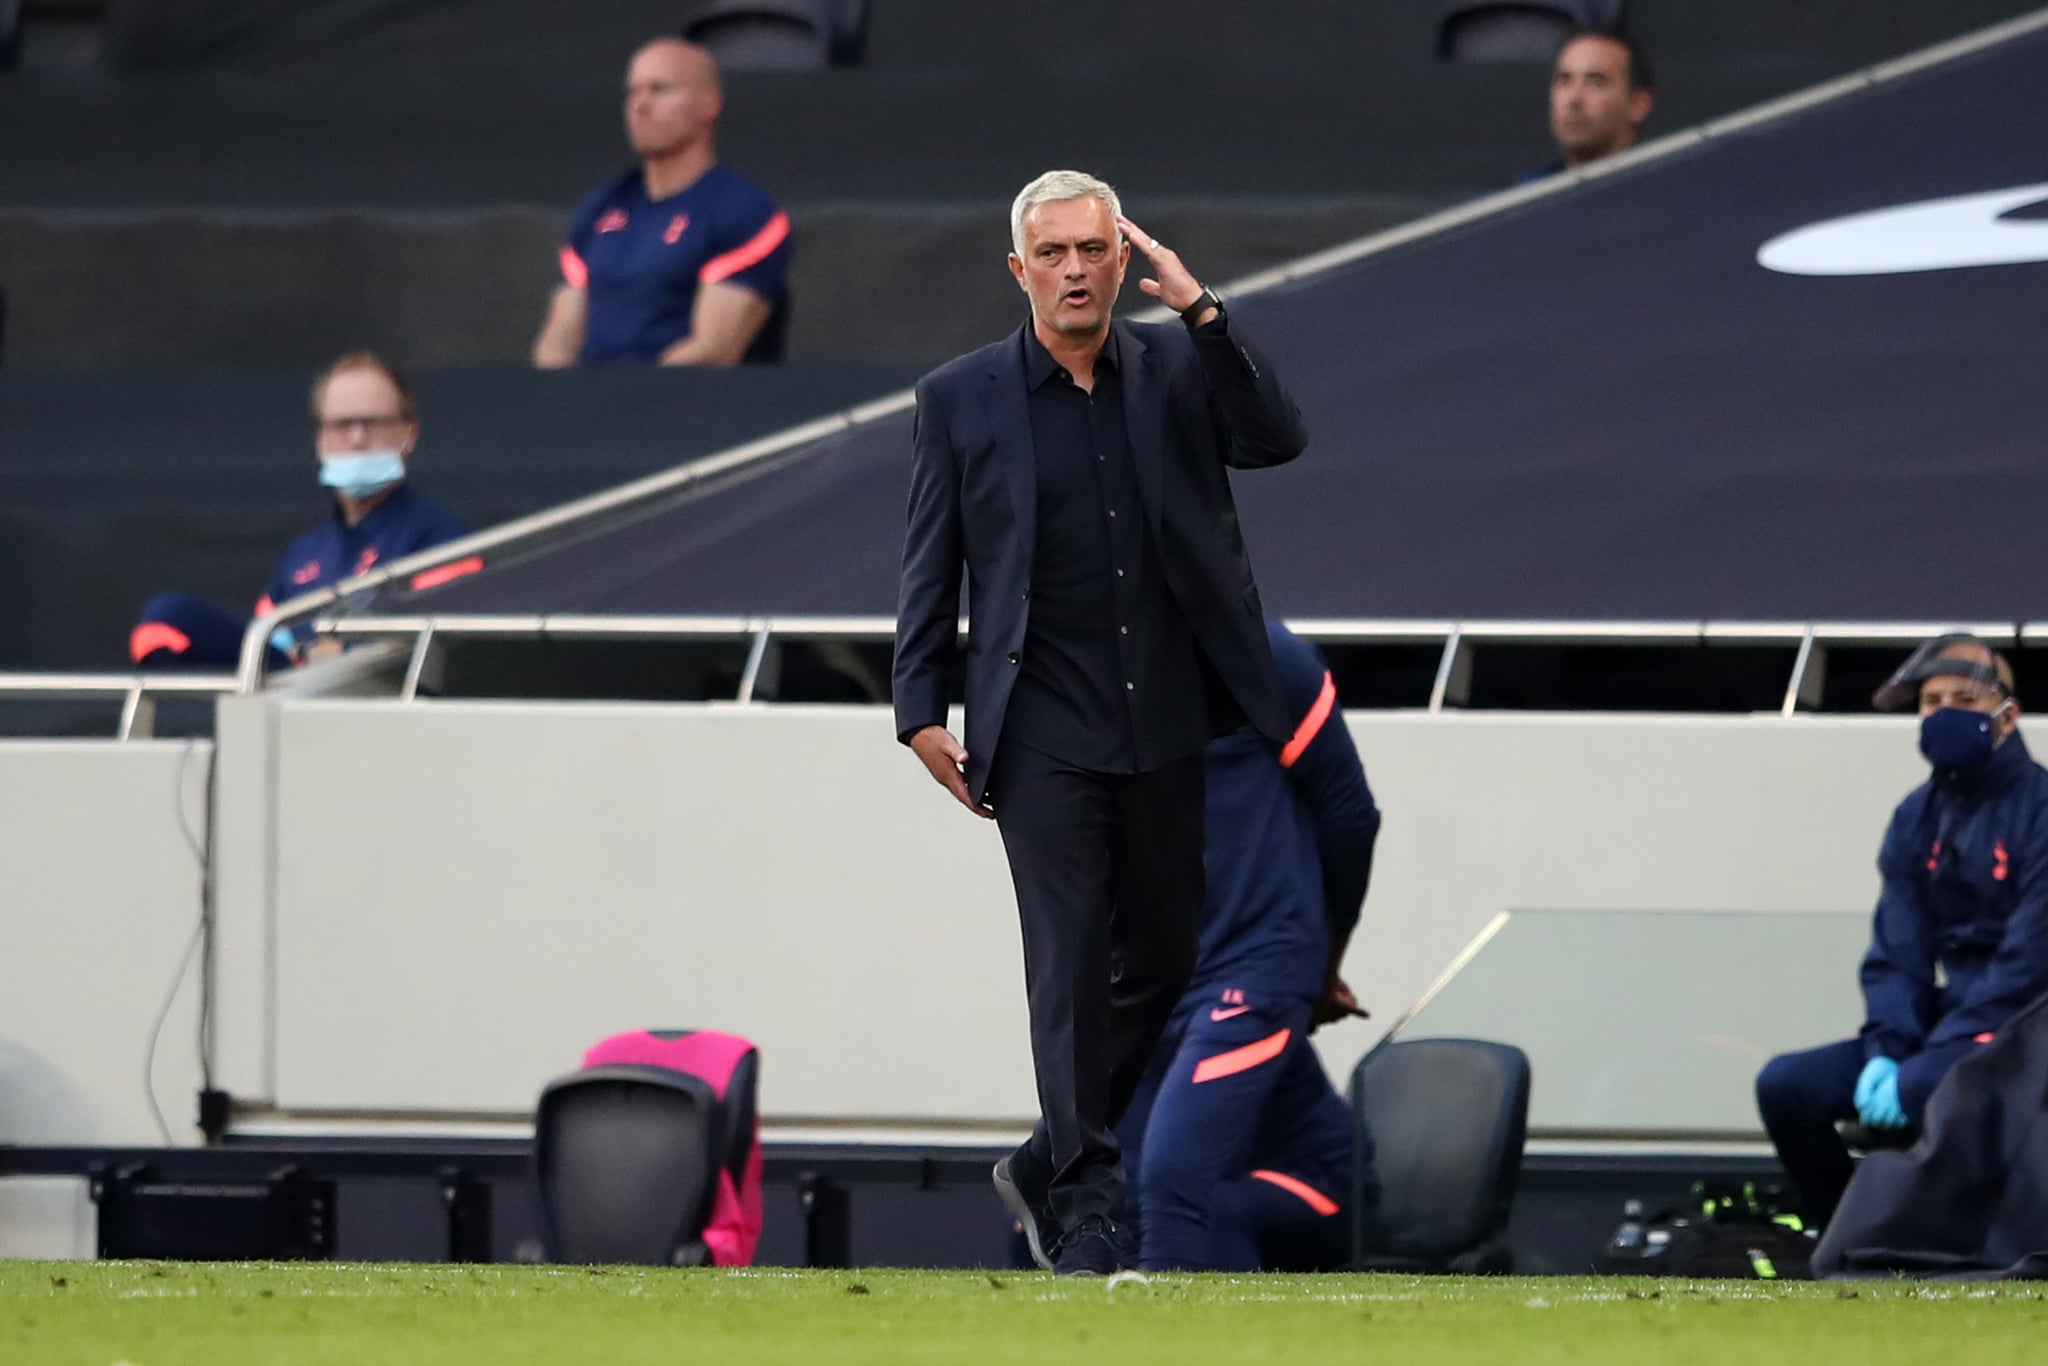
[(1110, 678)]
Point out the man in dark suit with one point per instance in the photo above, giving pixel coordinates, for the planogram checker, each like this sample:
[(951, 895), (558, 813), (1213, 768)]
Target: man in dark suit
[(1076, 470)]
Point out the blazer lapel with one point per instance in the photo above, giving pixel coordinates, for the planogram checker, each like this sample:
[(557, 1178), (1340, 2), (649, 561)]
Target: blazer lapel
[(1009, 417), (1144, 419)]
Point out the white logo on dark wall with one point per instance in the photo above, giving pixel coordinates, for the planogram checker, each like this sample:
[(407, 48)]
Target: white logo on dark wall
[(1933, 234)]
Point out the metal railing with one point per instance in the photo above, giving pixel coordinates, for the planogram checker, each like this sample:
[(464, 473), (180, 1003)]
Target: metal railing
[(1808, 643), (138, 693), (416, 638)]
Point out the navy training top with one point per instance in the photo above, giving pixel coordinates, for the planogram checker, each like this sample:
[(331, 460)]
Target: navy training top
[(1290, 838), (403, 524), (641, 260), (1965, 869)]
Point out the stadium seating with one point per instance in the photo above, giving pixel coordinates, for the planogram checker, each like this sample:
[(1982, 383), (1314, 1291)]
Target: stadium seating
[(1447, 1119), (781, 35), (1520, 30), (228, 195)]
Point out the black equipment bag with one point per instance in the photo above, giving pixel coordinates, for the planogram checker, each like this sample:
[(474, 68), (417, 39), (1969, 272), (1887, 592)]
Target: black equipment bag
[(1737, 1232)]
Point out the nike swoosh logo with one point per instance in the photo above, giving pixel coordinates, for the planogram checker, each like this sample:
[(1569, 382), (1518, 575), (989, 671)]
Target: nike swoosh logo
[(1228, 1014), (1933, 234)]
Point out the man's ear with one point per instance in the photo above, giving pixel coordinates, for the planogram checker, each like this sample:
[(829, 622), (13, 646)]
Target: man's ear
[(1017, 269), (1639, 107)]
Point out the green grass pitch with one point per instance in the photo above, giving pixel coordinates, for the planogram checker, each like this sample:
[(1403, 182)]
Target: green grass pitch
[(165, 1314)]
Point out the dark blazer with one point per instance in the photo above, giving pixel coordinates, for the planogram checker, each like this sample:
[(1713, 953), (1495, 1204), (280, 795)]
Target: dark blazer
[(1192, 406)]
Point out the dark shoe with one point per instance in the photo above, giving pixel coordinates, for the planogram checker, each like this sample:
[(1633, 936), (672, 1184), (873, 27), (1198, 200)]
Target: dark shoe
[(1090, 1248), (1030, 1210)]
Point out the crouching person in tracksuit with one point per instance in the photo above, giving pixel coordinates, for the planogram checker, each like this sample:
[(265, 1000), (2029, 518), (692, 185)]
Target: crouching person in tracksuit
[(1240, 1149), (1960, 939)]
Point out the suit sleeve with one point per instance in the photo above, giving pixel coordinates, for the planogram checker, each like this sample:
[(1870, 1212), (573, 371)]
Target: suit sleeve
[(1257, 423), (928, 597), (1323, 766), (1898, 970), (2018, 971)]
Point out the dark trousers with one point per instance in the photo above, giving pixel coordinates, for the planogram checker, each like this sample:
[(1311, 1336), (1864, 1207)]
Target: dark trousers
[(1108, 872), (1239, 1148), (1802, 1095)]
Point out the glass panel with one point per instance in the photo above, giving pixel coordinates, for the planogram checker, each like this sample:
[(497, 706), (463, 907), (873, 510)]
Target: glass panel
[(1651, 1023)]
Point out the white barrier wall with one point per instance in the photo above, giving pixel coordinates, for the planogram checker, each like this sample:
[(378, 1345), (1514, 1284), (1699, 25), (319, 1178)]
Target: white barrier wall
[(429, 909), (466, 894), (99, 899)]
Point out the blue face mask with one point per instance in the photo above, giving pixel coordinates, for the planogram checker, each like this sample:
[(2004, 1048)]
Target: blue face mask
[(1955, 737), (362, 474)]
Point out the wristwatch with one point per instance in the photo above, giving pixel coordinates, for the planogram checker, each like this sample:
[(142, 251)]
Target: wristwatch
[(1201, 305)]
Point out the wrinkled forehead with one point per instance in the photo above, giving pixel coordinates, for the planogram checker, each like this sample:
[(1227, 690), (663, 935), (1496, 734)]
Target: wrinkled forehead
[(1079, 219)]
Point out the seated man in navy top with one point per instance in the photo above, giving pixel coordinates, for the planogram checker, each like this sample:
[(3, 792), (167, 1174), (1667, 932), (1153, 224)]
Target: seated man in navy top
[(365, 425), (1238, 1149), (1959, 939), (681, 261)]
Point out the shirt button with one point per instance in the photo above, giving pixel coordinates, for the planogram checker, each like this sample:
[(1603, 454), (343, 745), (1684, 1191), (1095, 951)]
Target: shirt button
[(1130, 687), (1124, 630), (1014, 656), (1112, 512), (1119, 573)]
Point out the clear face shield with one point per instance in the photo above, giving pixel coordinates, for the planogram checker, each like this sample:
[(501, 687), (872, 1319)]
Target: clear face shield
[(1901, 692)]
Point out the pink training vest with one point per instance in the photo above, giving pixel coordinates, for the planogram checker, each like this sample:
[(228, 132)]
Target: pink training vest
[(734, 1229)]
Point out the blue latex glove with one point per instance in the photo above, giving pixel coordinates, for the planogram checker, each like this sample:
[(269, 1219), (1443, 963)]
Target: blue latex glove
[(1877, 1095)]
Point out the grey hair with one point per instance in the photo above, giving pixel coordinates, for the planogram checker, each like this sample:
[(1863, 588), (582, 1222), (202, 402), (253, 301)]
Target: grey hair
[(1051, 188)]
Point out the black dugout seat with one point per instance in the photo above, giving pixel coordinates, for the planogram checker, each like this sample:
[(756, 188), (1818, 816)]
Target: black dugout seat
[(1447, 1119), (626, 1162)]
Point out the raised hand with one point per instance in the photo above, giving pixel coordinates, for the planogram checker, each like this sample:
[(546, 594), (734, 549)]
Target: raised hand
[(1176, 286)]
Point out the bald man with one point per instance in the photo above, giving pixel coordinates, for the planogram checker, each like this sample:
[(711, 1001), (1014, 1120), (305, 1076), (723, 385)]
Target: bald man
[(1960, 941), (680, 261)]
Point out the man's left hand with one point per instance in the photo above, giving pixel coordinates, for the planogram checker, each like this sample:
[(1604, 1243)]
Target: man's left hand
[(1337, 1002), (1176, 286)]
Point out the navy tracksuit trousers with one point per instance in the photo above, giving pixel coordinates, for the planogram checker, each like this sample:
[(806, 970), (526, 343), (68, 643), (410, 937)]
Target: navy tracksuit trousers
[(1238, 1149), (1802, 1095)]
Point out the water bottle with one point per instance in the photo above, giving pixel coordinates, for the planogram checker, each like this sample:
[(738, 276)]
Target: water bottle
[(1628, 1239)]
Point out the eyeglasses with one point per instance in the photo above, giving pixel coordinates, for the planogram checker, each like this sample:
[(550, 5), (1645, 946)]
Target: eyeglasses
[(348, 426)]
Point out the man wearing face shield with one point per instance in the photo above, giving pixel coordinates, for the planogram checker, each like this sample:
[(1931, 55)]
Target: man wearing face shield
[(365, 425), (1960, 940)]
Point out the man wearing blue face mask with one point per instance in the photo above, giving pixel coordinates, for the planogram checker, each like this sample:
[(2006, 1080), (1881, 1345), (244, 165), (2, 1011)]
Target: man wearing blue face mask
[(365, 425), (1960, 941)]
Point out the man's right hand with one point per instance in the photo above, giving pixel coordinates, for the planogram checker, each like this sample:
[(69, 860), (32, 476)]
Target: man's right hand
[(1336, 1003), (946, 758)]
